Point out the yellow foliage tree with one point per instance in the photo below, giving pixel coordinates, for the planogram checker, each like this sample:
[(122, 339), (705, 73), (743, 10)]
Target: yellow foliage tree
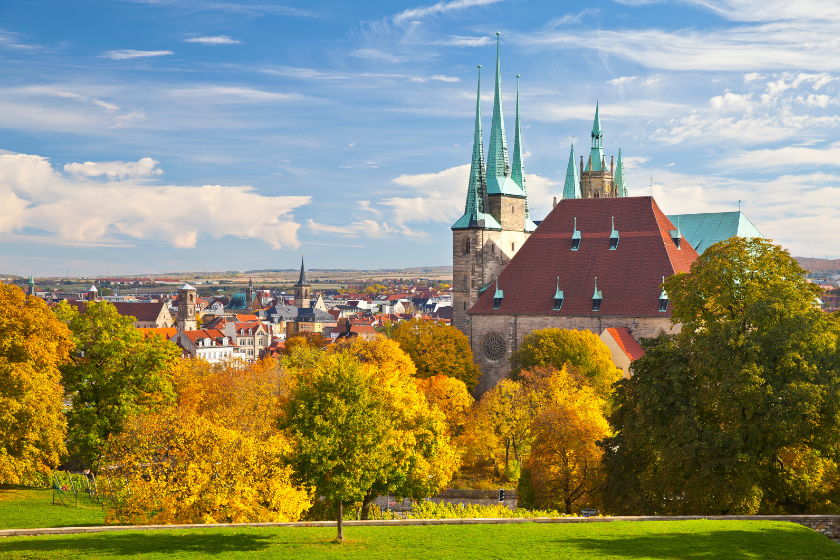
[(565, 461), (177, 467), (437, 349), (451, 396), (33, 342), (216, 456)]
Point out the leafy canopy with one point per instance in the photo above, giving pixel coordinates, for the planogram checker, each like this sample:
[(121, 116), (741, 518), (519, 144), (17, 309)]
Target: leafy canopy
[(739, 412), (113, 373), (33, 343), (437, 349)]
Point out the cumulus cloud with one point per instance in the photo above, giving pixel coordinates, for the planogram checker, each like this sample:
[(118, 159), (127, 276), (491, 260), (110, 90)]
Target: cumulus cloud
[(126, 54), (216, 40), (146, 167), (74, 209)]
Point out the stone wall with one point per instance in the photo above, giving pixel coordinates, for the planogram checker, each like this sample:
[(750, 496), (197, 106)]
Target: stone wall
[(513, 328)]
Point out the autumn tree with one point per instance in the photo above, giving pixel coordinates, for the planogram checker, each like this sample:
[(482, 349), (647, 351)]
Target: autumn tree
[(581, 350), (113, 373), (738, 413), (305, 340), (437, 349), (362, 428), (451, 396), (564, 465), (33, 344)]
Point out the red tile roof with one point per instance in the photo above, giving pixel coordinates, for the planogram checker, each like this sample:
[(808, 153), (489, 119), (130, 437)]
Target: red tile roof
[(626, 342), (165, 334), (629, 277)]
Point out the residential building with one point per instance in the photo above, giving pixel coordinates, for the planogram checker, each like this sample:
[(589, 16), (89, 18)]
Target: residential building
[(210, 344)]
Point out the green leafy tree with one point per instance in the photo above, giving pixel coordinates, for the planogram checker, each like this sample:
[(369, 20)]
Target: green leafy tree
[(362, 427), (113, 373), (582, 351), (437, 349), (739, 412), (33, 343)]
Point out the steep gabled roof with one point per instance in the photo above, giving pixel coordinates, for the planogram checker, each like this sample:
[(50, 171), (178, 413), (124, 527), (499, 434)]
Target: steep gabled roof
[(571, 188), (626, 342), (629, 277), (140, 311)]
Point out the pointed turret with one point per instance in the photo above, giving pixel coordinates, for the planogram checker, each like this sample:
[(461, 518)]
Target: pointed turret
[(596, 154), (31, 285), (474, 209), (620, 179), (302, 280), (571, 188), (517, 173), (498, 166)]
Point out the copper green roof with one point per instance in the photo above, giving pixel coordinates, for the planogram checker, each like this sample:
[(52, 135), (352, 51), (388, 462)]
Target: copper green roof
[(571, 188), (703, 230), (596, 153), (499, 181), (517, 173), (559, 293), (474, 215), (620, 179)]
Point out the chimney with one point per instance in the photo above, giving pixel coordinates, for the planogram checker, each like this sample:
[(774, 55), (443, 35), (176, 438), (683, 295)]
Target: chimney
[(554, 203)]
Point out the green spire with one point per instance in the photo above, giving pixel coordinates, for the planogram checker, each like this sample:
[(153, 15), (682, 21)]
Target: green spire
[(31, 285), (474, 215), (596, 154), (620, 179), (517, 173), (571, 188), (498, 166)]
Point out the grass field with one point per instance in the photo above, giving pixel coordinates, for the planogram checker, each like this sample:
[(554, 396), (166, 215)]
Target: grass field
[(640, 540), (22, 507)]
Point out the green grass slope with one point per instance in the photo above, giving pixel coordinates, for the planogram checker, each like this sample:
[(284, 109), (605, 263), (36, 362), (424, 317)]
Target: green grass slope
[(22, 507), (653, 540)]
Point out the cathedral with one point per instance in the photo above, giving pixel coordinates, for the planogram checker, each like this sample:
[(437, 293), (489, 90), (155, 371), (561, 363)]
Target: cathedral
[(597, 261)]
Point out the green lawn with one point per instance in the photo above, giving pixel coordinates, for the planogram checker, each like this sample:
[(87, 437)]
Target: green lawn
[(702, 540), (22, 507)]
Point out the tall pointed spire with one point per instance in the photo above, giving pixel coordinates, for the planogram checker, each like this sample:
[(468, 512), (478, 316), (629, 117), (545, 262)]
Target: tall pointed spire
[(571, 188), (498, 166), (302, 279), (620, 179), (597, 152), (474, 208), (517, 172)]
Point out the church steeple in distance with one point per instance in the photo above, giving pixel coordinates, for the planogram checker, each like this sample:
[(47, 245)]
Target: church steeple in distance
[(517, 173), (302, 279), (302, 289), (498, 166), (596, 154), (571, 188)]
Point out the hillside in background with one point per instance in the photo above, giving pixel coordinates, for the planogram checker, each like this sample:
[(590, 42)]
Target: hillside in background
[(819, 266)]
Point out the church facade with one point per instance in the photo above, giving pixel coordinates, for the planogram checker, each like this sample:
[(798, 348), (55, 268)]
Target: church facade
[(597, 261)]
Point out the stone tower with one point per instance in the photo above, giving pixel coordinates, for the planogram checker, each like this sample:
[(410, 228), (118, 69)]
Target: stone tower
[(249, 295), (596, 179), (495, 223), (302, 289), (186, 309)]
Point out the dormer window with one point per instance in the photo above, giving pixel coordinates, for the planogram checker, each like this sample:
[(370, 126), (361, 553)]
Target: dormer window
[(597, 297), (613, 237), (558, 297), (676, 235), (575, 238), (663, 299), (498, 296)]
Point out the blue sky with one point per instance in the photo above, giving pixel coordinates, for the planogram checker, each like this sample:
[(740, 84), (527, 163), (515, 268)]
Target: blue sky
[(140, 136)]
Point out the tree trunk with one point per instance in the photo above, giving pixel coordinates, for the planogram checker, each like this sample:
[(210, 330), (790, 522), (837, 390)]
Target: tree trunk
[(366, 506), (507, 453), (340, 537)]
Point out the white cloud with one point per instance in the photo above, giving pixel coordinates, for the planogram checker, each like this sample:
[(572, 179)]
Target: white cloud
[(752, 76), (772, 10), (364, 228), (414, 14), (146, 167), (785, 157), (633, 162), (458, 41), (622, 80), (216, 40), (125, 54), (732, 102), (224, 94), (122, 121), (436, 78), (76, 210), (375, 54)]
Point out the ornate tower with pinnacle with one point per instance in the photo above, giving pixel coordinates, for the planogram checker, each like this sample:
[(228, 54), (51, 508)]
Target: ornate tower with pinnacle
[(302, 289), (495, 222), (596, 179)]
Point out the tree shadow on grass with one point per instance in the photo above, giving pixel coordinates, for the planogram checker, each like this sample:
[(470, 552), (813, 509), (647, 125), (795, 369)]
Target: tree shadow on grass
[(131, 543), (771, 543)]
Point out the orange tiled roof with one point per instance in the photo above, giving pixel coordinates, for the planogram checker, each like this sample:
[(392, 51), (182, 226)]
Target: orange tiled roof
[(626, 342)]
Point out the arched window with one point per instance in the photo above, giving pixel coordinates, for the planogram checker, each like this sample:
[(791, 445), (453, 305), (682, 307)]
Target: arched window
[(467, 246)]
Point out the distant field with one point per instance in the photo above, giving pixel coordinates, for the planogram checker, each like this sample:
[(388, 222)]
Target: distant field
[(643, 540)]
